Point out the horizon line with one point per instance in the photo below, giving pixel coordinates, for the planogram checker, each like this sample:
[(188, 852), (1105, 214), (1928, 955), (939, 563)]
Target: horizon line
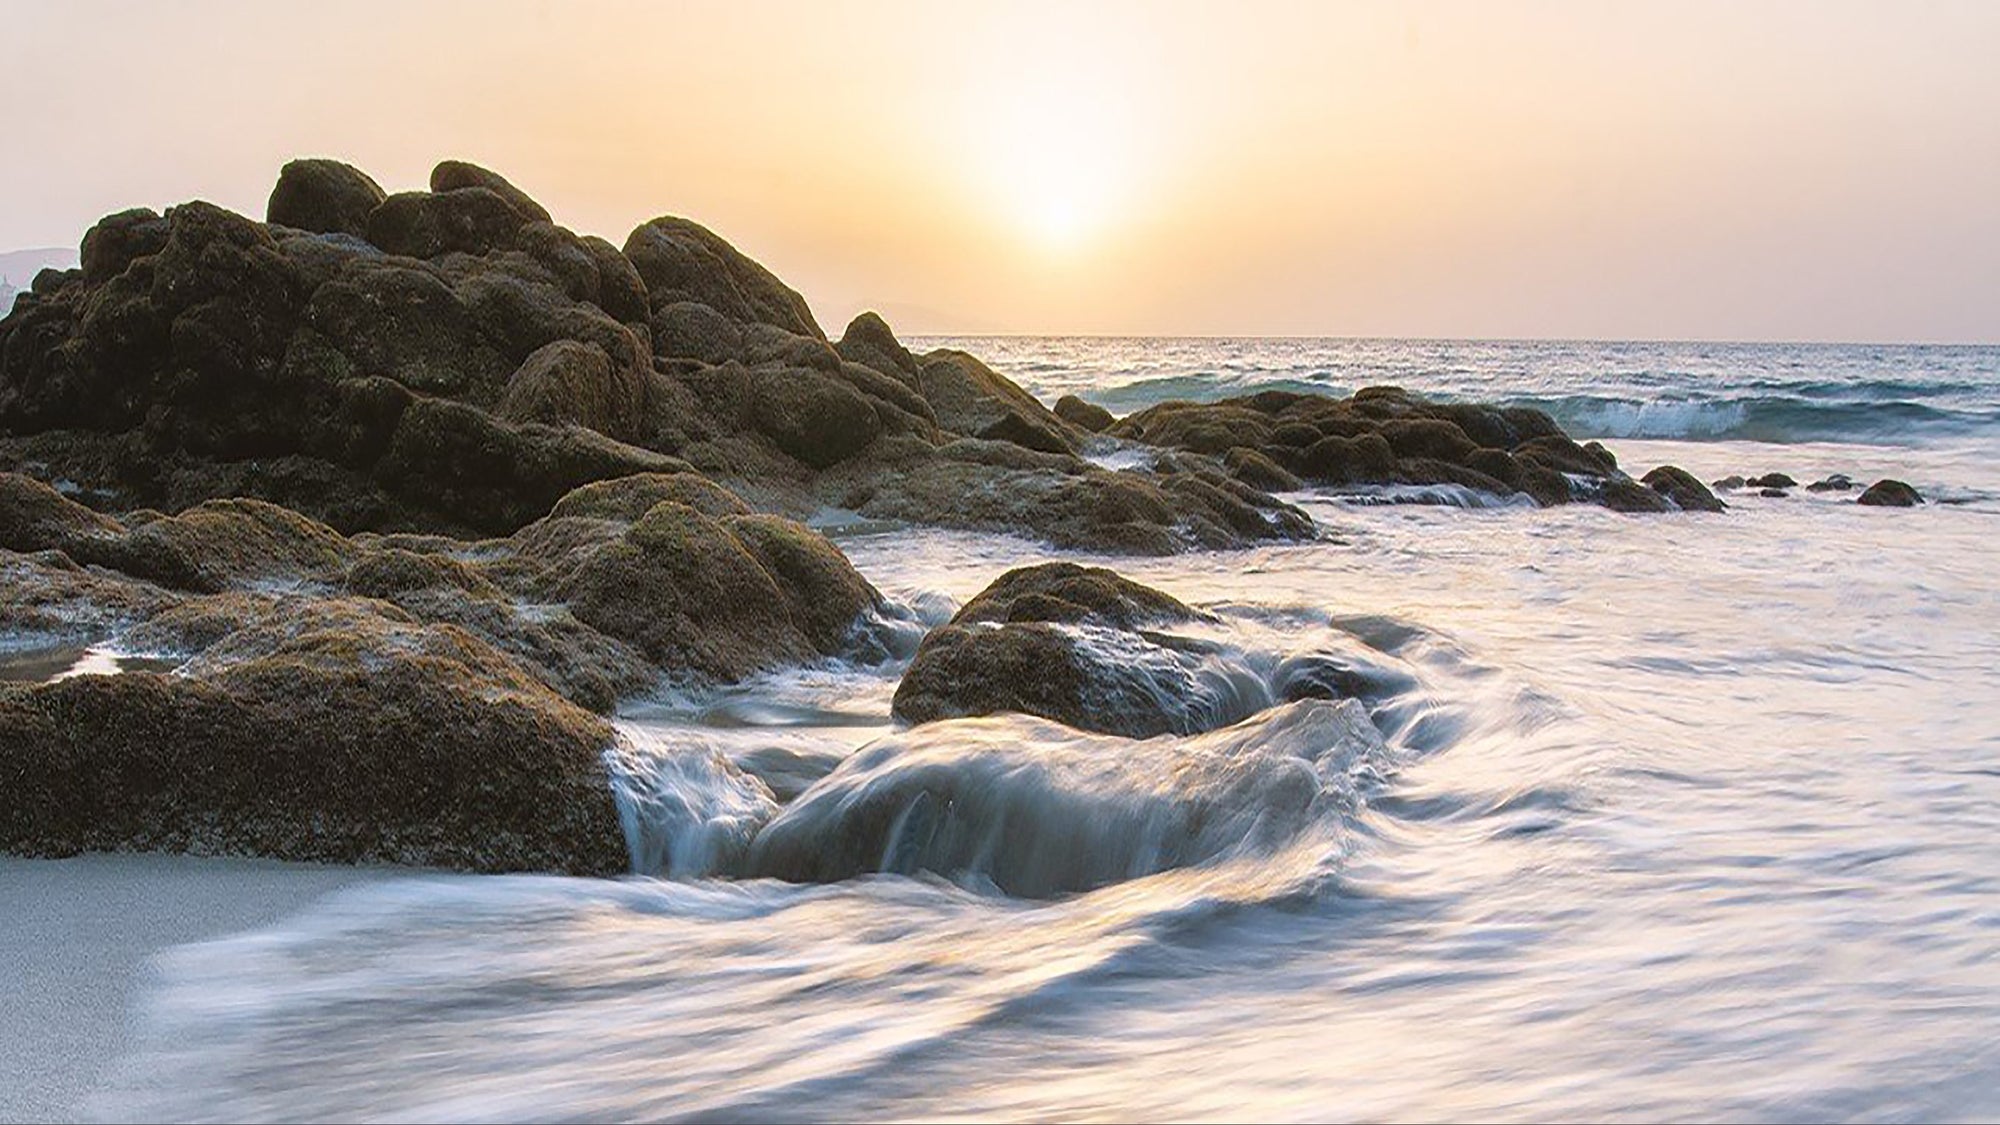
[(1423, 339)]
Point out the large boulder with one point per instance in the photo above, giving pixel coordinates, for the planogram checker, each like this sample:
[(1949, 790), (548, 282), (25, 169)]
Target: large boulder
[(869, 342), (569, 382), (1890, 494), (1683, 488), (411, 746), (454, 175), (1078, 646), (426, 224), (1084, 415), (817, 419), (971, 398), (712, 599), (323, 196), (682, 260)]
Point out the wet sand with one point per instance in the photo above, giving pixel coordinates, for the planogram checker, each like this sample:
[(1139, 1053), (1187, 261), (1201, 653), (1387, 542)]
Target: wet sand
[(76, 941)]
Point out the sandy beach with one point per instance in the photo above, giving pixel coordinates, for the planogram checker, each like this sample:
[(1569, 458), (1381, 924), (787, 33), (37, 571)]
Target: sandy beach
[(79, 936)]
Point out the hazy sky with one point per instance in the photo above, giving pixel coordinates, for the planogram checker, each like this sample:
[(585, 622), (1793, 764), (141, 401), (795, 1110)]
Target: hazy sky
[(1737, 170)]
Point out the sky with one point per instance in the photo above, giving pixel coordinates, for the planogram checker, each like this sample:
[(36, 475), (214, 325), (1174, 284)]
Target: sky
[(1690, 170)]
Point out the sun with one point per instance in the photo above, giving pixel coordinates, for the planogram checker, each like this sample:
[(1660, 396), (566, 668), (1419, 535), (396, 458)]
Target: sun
[(1058, 156)]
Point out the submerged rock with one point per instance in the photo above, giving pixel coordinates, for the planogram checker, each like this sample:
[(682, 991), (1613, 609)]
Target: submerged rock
[(1038, 809), (1890, 494), (1836, 482), (1772, 480)]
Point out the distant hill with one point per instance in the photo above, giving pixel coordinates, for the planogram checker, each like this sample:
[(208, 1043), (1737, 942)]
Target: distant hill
[(19, 267)]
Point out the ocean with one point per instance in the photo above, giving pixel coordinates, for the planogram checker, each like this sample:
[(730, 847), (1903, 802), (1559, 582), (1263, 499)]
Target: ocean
[(1638, 817)]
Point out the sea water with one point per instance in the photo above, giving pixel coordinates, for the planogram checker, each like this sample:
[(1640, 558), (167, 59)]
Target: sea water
[(1633, 817)]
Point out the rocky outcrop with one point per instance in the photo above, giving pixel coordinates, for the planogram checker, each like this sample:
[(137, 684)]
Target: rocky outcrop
[(451, 361), (411, 745), (407, 699), (1076, 645), (1890, 494)]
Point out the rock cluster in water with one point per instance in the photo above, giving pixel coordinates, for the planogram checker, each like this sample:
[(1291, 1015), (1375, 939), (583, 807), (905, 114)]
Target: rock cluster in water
[(1284, 440), (413, 488), (1777, 486)]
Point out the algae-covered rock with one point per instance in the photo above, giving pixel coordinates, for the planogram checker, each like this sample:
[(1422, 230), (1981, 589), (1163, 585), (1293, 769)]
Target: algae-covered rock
[(324, 196), (1683, 488), (374, 751), (1890, 494), (1076, 645)]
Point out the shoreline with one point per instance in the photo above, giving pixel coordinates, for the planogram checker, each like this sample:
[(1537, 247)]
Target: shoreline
[(81, 936)]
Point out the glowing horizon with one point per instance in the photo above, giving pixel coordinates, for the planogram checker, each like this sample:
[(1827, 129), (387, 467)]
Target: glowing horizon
[(1545, 170)]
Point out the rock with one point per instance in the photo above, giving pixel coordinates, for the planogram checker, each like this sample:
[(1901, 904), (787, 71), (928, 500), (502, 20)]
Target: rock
[(1623, 494), (324, 196), (1075, 595), (1680, 486), (116, 241), (712, 599), (1387, 436), (1084, 415), (1772, 480), (999, 486), (1067, 643), (628, 499), (820, 421), (1838, 482), (969, 397), (1026, 433), (394, 573), (35, 517), (569, 382), (423, 224), (1773, 493), (826, 595), (1890, 494), (1259, 471), (1731, 482), (489, 362), (683, 261), (869, 342), (454, 175), (692, 330), (224, 544), (413, 746)]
